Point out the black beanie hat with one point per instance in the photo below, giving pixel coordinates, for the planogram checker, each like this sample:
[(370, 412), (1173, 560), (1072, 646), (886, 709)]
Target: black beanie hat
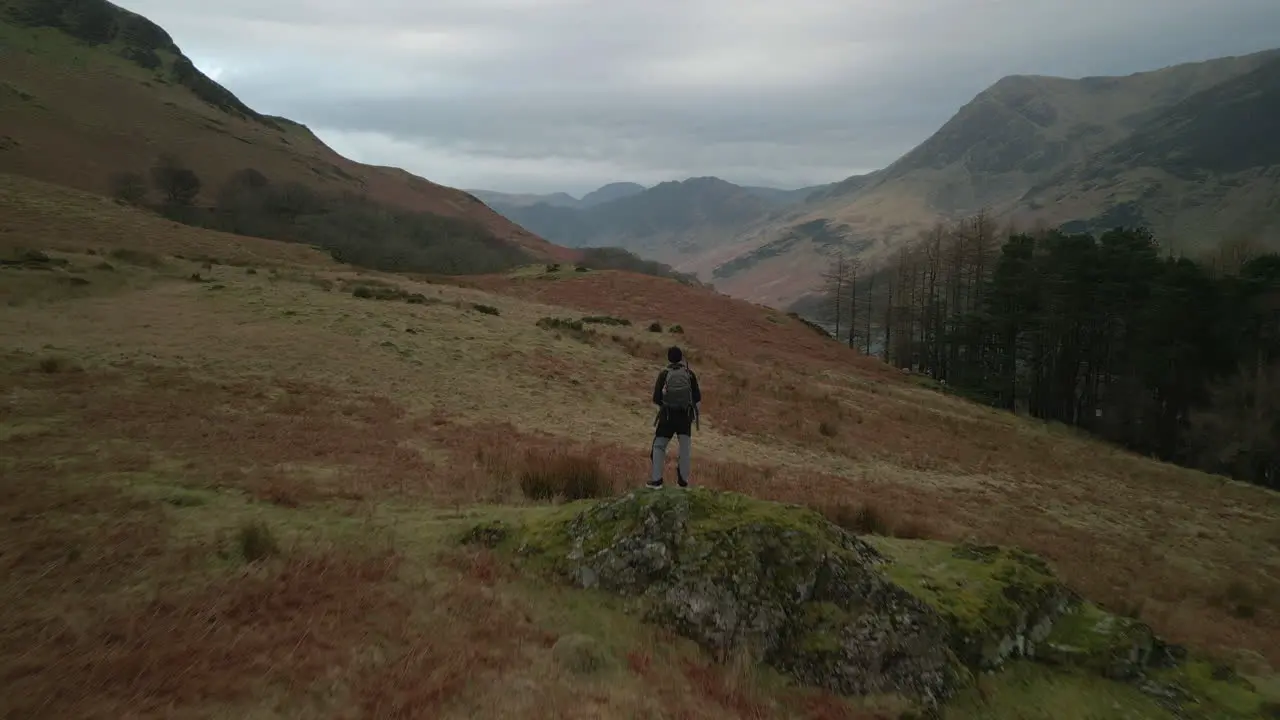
[(674, 355)]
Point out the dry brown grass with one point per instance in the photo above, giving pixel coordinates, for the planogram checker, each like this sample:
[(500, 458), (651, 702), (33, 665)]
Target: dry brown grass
[(324, 408), (59, 218)]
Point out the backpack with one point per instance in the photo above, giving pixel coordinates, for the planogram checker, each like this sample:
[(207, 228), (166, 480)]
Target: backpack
[(677, 393)]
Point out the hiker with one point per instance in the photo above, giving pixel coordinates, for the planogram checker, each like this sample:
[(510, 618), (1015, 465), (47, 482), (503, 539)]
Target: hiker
[(677, 396)]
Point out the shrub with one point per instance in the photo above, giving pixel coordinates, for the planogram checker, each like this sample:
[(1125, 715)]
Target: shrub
[(864, 519), (655, 327), (53, 364), (574, 328), (828, 428), (563, 475), (137, 257), (256, 541), (553, 268), (605, 320), (129, 188), (580, 268), (179, 183), (362, 292), (554, 323), (676, 330), (486, 309)]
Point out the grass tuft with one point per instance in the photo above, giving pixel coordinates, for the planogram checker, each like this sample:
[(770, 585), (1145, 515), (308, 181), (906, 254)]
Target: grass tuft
[(547, 476), (256, 541)]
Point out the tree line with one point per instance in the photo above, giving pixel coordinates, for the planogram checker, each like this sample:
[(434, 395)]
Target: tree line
[(1173, 357)]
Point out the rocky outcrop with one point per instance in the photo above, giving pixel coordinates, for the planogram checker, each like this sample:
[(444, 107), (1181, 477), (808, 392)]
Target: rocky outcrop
[(780, 582), (856, 615)]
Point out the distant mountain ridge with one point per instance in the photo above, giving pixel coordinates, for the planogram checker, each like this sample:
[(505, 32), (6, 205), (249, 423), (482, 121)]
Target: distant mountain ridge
[(1186, 150), (670, 222)]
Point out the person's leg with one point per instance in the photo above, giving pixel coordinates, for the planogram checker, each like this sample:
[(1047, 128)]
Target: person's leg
[(661, 438), (684, 431), (659, 458), (686, 459)]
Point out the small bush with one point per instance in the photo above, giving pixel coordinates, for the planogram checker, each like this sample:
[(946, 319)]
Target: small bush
[(129, 188), (562, 475), (104, 265), (250, 271), (554, 323), (605, 320), (1239, 599), (828, 428), (676, 330), (362, 292), (256, 541), (52, 364), (580, 268), (655, 327), (137, 257), (553, 268), (863, 520), (486, 309)]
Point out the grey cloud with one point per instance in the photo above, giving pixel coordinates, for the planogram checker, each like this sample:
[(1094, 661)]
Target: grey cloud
[(540, 95)]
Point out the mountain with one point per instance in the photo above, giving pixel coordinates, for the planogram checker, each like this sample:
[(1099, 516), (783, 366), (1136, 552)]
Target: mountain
[(491, 198), (1208, 166), (89, 91), (671, 222), (609, 193), (1044, 149), (681, 223), (604, 194)]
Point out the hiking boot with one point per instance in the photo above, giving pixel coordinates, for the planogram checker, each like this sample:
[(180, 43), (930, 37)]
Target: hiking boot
[(654, 485), (682, 483)]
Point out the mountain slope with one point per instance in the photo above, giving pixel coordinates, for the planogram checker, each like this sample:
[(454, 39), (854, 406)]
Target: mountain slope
[(1209, 165), (89, 90), (1021, 133)]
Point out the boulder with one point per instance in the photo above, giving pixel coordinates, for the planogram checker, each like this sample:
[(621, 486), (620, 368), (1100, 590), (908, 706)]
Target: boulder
[(858, 615), (779, 581)]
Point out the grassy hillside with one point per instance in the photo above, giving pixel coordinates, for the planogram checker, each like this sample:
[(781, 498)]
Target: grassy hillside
[(1018, 149), (90, 90), (235, 472)]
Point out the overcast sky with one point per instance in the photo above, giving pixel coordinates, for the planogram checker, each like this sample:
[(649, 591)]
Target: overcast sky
[(546, 95)]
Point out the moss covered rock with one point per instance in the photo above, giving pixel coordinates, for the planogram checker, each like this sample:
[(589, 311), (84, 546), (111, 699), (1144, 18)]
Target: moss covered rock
[(856, 615), (1000, 603), (779, 581)]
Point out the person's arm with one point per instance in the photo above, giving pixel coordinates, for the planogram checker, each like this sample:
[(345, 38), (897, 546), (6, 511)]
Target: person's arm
[(657, 387), (697, 393)]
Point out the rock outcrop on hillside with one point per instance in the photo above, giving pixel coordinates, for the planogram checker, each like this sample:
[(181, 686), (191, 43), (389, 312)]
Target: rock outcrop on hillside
[(856, 615)]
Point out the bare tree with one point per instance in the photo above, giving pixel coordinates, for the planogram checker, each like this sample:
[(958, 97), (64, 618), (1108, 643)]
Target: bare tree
[(836, 283)]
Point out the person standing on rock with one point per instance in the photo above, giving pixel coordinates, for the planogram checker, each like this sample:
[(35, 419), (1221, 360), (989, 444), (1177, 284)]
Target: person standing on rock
[(677, 396)]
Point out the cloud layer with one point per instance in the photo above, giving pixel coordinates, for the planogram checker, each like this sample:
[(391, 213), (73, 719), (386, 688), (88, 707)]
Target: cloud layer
[(546, 95)]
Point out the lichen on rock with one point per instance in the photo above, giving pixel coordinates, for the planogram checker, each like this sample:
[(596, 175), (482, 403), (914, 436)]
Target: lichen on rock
[(1000, 602), (780, 581), (856, 615)]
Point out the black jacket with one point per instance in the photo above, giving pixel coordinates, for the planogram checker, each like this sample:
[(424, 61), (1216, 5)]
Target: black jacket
[(662, 380)]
